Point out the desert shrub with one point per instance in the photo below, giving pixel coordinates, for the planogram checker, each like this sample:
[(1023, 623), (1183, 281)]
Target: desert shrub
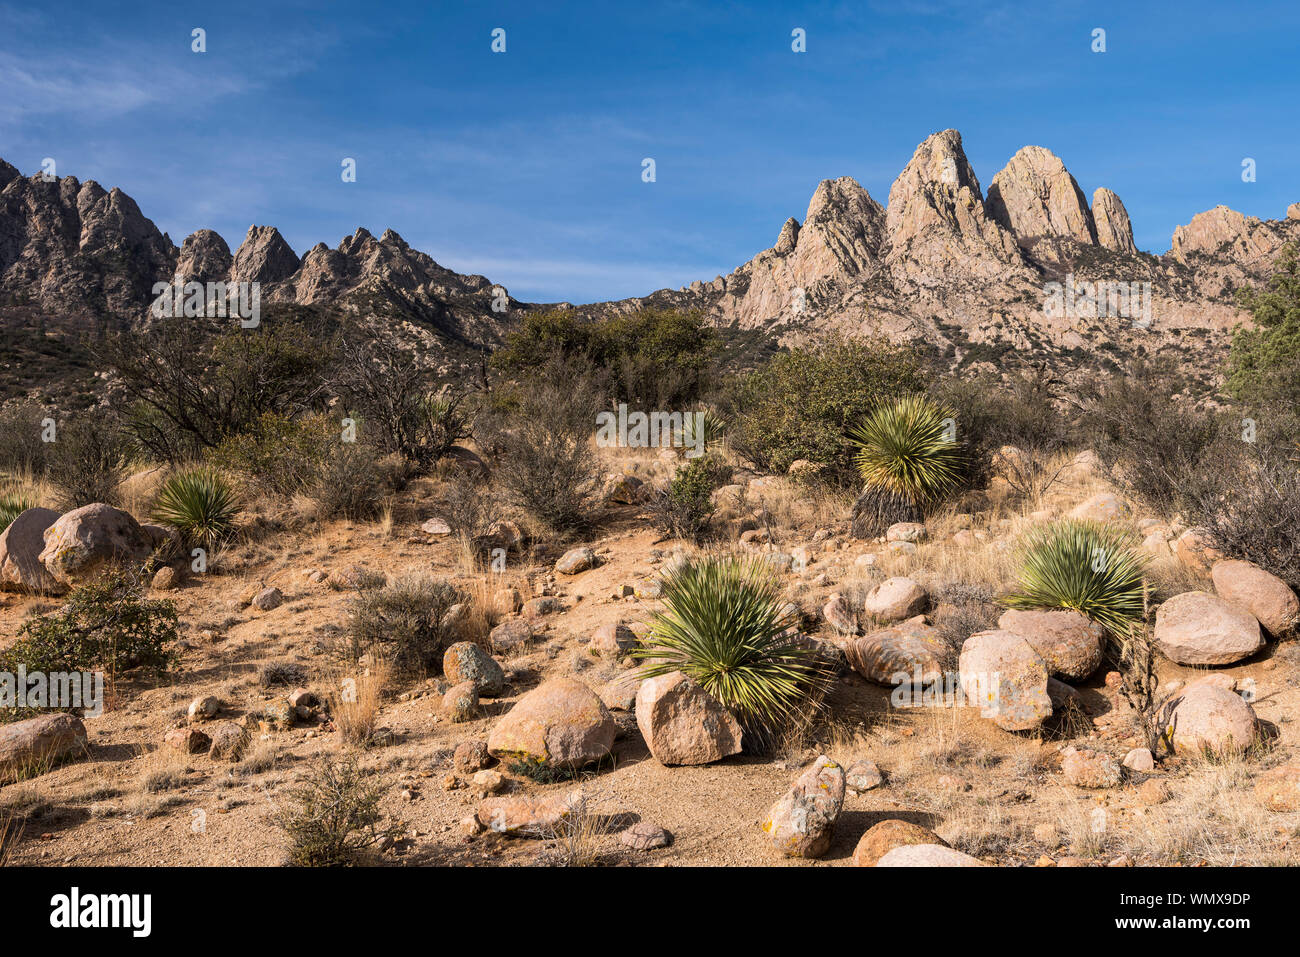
[(104, 625), (279, 453), (86, 462), (406, 622), (655, 359), (1149, 439), (334, 815), (189, 383), (1264, 361), (350, 483), (1089, 567), (394, 390), (282, 673), (961, 610), (547, 461), (909, 460), (1021, 412), (685, 507), (200, 504), (12, 504), (1249, 504), (802, 403), (22, 453), (704, 430), (723, 625)]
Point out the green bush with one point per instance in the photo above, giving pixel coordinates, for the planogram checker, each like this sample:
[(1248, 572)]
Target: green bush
[(723, 625), (279, 453), (406, 623), (685, 507), (909, 460), (350, 484), (334, 816), (105, 625), (200, 504), (1264, 361), (1083, 566), (802, 403), (656, 359)]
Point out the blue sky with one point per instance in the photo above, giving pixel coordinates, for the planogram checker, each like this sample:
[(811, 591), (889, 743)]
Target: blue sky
[(526, 166)]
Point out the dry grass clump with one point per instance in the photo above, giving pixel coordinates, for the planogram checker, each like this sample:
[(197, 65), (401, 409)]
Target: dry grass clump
[(355, 699), (580, 838)]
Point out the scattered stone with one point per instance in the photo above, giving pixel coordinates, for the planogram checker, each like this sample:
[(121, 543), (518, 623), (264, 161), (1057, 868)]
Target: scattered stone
[(905, 532), (561, 724), (228, 742), (465, 661), (1090, 769), (613, 640), (802, 823), (1140, 759), (471, 756), (884, 837), (33, 746), (898, 655), (684, 724), (512, 632), (839, 615), (1264, 595), (620, 693), (896, 599), (301, 698), (1102, 507), (862, 776), (1194, 550), (164, 579), (487, 782), (645, 836), (508, 601), (1152, 792), (203, 708), (21, 544), (1210, 716), (268, 599), (81, 542), (435, 526), (460, 703), (1279, 789), (188, 740), (1006, 679), (1070, 645), (538, 607), (1198, 628), (928, 855), (521, 815), (576, 560)]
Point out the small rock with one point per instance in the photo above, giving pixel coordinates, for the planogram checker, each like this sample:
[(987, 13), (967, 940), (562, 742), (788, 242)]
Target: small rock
[(862, 776), (576, 560), (645, 836)]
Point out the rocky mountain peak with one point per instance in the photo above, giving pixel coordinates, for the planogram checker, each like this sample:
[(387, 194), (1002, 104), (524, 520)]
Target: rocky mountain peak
[(204, 257), (937, 224), (264, 256), (8, 174), (1114, 231), (789, 236), (1034, 195)]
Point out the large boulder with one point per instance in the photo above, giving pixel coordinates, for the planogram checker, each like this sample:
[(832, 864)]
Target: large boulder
[(466, 661), (684, 724), (82, 541), (1102, 507), (561, 723), (882, 838), (1264, 595), (21, 545), (928, 855), (1210, 716), (1198, 628), (1070, 645), (802, 822), (896, 599), (897, 655), (33, 746), (1006, 679)]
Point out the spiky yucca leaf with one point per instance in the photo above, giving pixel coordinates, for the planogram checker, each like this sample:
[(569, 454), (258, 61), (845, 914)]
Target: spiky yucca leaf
[(200, 504), (1085, 566), (906, 450), (723, 626), (703, 429), (13, 504)]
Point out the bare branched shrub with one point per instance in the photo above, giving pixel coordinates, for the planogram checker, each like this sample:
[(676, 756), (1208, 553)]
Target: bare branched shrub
[(86, 463), (406, 622), (335, 816)]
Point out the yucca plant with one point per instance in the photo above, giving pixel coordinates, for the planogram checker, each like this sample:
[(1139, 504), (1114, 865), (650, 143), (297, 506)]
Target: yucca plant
[(1087, 567), (200, 504), (703, 430), (13, 504), (723, 626), (909, 460)]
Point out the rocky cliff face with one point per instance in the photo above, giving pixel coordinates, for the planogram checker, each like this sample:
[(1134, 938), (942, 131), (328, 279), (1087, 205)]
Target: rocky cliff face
[(970, 273)]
